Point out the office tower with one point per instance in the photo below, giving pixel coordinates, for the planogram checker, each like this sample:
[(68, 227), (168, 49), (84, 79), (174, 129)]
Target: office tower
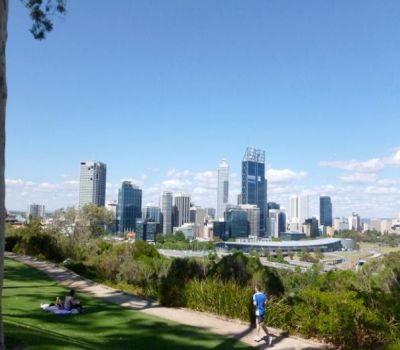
[(35, 211), (253, 217), (210, 212), (152, 213), (197, 217), (254, 184), (298, 209), (236, 223), (325, 211), (92, 183), (166, 212), (219, 229), (239, 199), (340, 224), (223, 188), (273, 205), (276, 222), (355, 222), (310, 227), (129, 206), (182, 203)]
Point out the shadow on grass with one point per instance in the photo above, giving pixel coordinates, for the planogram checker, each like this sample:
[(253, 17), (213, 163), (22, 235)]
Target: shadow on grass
[(102, 326)]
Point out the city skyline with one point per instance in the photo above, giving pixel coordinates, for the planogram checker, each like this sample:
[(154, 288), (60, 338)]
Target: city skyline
[(237, 76), (279, 190)]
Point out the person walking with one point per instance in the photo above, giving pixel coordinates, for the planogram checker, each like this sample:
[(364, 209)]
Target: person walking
[(260, 301)]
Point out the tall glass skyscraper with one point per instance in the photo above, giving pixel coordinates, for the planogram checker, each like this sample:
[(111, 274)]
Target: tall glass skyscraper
[(325, 211), (254, 187), (92, 183), (236, 223), (223, 188), (129, 206)]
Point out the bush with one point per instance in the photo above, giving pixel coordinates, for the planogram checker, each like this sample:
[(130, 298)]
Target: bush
[(338, 317)]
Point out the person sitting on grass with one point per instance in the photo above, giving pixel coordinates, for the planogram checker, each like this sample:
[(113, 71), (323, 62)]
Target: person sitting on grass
[(71, 303)]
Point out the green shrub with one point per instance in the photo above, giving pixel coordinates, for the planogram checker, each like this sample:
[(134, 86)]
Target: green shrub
[(338, 317)]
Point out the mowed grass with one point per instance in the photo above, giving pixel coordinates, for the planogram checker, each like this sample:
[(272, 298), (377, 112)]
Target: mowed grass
[(102, 326)]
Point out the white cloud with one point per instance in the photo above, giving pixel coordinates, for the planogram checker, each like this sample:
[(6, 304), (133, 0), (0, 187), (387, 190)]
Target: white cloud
[(359, 178), (284, 175), (370, 165)]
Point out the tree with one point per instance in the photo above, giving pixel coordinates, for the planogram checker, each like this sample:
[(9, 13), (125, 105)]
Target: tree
[(41, 13), (93, 221)]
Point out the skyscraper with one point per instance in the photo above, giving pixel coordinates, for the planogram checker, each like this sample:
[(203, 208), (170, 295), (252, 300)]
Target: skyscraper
[(223, 188), (325, 211), (129, 206), (253, 217), (151, 213), (92, 183), (298, 211), (236, 223), (182, 203), (36, 211), (254, 183), (166, 212)]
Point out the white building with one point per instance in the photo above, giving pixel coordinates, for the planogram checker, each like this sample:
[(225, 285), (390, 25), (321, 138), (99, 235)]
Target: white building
[(340, 224), (188, 230), (386, 226), (298, 211), (166, 212), (223, 188), (274, 223), (92, 183), (355, 222)]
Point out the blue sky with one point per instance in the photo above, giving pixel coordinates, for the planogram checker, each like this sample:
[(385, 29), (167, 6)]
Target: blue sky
[(162, 90)]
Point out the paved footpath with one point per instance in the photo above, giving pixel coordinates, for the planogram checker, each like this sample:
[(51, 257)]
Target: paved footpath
[(226, 327)]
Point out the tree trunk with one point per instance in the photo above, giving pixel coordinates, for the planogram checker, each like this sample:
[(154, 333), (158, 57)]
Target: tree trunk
[(3, 101)]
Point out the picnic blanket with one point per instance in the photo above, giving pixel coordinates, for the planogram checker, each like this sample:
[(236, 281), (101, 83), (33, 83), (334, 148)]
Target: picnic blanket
[(58, 311)]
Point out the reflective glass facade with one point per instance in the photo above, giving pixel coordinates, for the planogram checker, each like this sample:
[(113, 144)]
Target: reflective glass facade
[(254, 187), (129, 207)]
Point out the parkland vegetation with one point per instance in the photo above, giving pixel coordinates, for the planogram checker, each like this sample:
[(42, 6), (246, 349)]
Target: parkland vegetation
[(351, 310)]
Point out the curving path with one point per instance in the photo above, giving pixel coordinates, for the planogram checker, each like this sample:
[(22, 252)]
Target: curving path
[(226, 327)]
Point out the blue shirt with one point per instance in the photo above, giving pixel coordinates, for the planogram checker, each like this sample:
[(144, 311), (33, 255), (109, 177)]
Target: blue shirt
[(260, 299)]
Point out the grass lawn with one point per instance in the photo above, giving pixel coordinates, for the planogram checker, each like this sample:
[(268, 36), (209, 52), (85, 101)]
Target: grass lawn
[(102, 326)]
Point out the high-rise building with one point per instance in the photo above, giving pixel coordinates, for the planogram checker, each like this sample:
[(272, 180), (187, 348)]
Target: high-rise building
[(254, 187), (325, 211), (92, 183), (182, 203), (36, 211), (129, 206), (298, 211), (197, 217), (151, 213), (355, 222), (276, 222), (210, 212), (310, 227), (236, 223), (340, 224), (223, 188), (166, 212), (253, 217)]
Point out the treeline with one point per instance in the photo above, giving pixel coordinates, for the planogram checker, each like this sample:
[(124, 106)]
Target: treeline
[(371, 236), (350, 310)]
